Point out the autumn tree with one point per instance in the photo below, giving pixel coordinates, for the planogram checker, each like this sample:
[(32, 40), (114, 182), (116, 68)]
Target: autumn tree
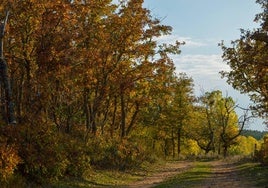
[(182, 106), (168, 112), (229, 123), (203, 128), (120, 66), (246, 146), (247, 58), (82, 73), (218, 123)]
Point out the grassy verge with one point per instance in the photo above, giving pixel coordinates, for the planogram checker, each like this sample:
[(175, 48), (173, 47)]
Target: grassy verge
[(109, 178), (103, 178), (190, 178), (255, 173)]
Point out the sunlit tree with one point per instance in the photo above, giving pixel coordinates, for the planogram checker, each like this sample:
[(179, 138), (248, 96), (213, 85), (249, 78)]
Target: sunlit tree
[(247, 58)]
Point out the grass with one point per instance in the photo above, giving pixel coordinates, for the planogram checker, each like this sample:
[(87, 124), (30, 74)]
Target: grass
[(109, 178), (255, 173), (99, 179), (190, 178), (249, 171)]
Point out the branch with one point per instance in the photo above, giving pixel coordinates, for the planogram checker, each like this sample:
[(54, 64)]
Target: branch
[(3, 25)]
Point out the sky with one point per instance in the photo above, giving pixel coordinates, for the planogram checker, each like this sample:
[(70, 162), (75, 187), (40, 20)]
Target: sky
[(203, 24)]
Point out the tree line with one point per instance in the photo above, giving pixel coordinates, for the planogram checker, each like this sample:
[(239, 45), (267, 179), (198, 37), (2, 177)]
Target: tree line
[(85, 83), (258, 135)]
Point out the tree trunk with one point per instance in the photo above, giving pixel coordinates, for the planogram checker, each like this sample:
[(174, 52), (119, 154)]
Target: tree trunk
[(179, 140), (10, 114), (3, 105), (173, 144), (225, 149), (19, 103), (166, 147), (86, 108), (219, 149), (133, 119), (123, 114), (113, 118)]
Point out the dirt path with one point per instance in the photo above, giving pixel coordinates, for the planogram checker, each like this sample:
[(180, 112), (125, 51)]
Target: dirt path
[(224, 175), (167, 171)]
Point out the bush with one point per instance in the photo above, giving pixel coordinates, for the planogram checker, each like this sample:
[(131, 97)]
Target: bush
[(9, 160), (42, 153), (44, 157), (78, 156), (116, 154)]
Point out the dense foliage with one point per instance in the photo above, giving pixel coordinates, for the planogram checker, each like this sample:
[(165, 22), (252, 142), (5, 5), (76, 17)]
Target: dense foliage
[(247, 58), (78, 80), (85, 84)]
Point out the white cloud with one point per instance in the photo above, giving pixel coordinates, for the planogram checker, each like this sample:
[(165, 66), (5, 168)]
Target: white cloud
[(189, 42), (204, 69), (200, 65)]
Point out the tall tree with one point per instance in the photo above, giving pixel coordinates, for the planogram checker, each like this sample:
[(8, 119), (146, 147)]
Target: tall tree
[(80, 71), (182, 106), (203, 127), (248, 60), (227, 122), (92, 62)]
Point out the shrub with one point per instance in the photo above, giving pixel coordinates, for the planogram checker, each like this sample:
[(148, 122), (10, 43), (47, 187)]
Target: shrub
[(44, 157), (9, 160), (78, 157), (116, 154)]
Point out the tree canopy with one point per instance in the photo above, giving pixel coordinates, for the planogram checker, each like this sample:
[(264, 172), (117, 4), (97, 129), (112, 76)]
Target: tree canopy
[(248, 60), (88, 84)]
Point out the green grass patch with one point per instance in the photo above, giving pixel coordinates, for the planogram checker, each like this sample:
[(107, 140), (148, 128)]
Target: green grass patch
[(190, 178)]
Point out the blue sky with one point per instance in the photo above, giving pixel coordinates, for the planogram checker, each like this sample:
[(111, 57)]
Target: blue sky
[(202, 24)]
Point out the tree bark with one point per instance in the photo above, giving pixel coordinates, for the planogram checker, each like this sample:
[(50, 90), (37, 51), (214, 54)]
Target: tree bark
[(113, 118), (10, 114), (123, 114), (133, 118), (225, 150), (86, 108), (173, 143), (179, 140)]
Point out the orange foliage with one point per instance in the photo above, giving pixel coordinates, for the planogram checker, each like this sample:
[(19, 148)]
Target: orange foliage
[(9, 160), (82, 70)]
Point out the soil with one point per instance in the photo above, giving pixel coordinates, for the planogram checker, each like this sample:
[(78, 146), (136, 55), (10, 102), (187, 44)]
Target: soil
[(167, 171), (224, 175)]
